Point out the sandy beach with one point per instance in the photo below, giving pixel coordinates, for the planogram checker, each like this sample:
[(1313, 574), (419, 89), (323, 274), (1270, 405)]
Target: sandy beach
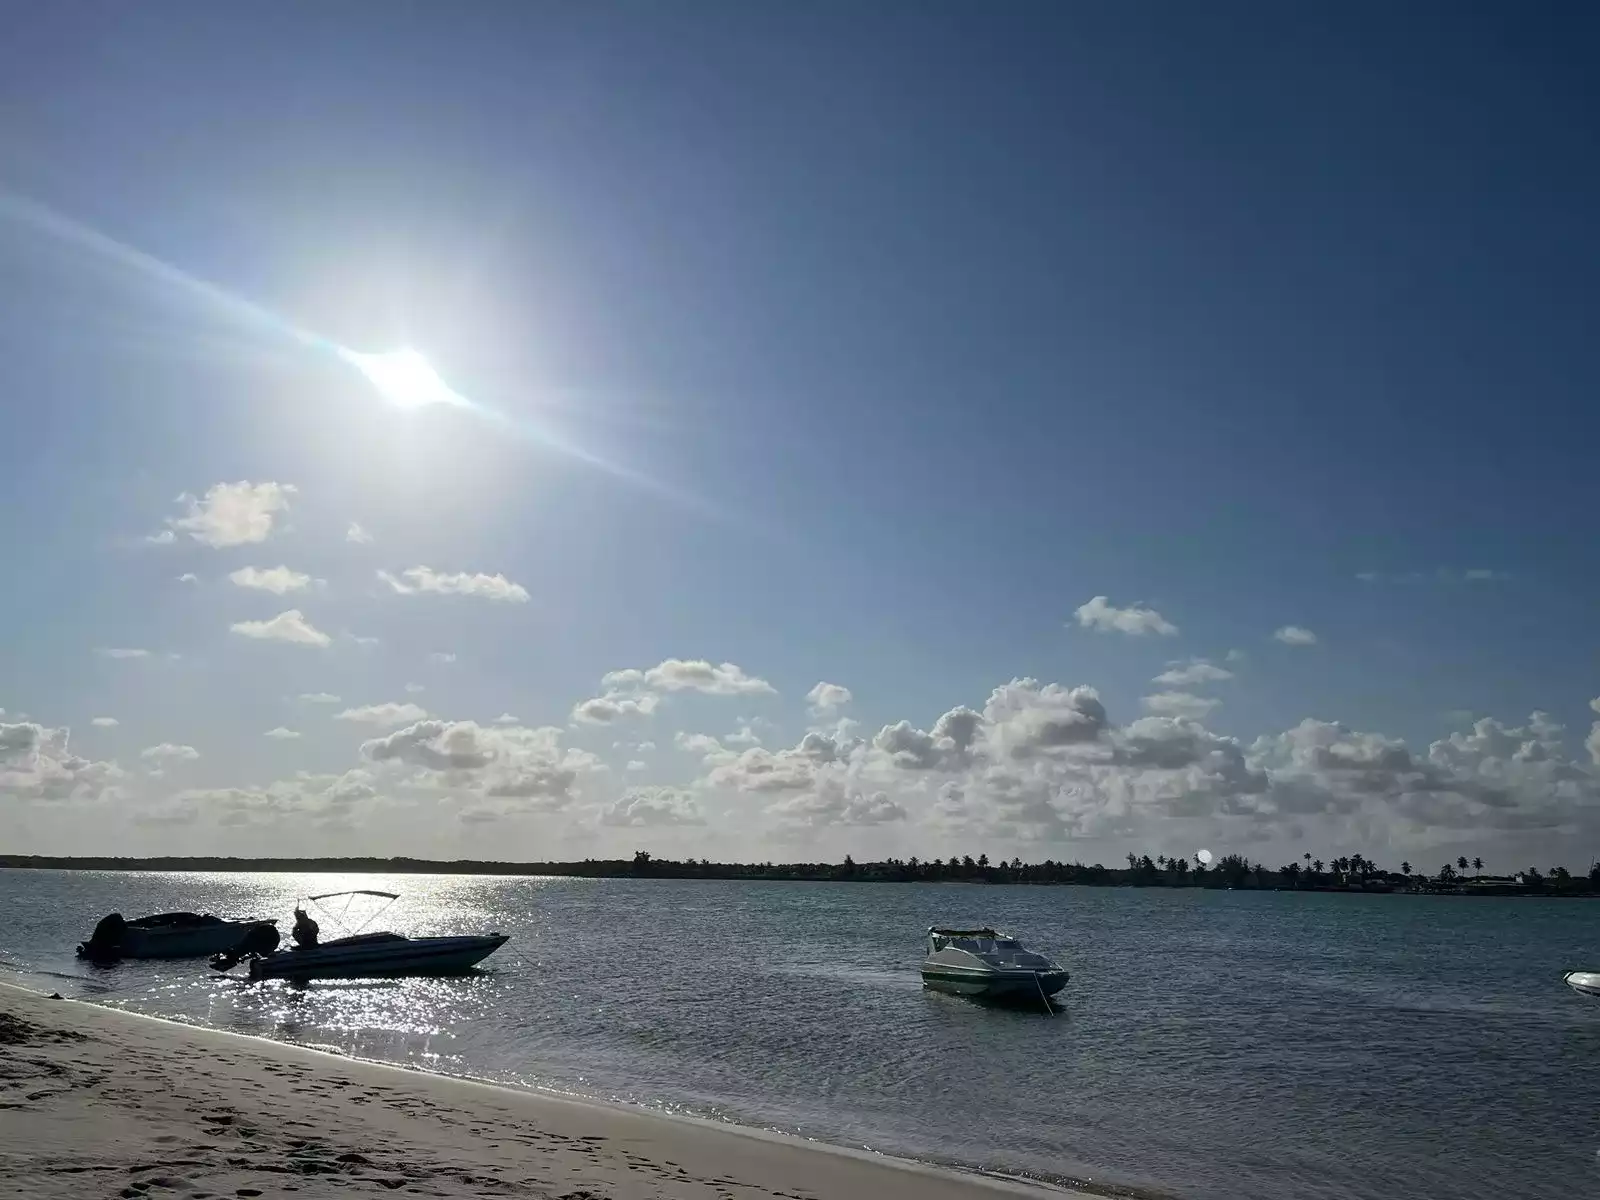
[(98, 1102)]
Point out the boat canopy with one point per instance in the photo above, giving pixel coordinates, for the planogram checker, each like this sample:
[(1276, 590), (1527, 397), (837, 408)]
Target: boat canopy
[(355, 892), (986, 932)]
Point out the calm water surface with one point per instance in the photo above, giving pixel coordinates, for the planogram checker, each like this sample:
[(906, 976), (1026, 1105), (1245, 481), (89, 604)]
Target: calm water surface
[(1211, 1045)]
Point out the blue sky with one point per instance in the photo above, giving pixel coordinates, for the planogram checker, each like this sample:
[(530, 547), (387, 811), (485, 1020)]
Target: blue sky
[(864, 347)]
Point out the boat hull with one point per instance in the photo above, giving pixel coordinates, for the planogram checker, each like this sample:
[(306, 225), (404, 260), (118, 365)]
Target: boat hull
[(379, 960), (1585, 983), (173, 941), (995, 984)]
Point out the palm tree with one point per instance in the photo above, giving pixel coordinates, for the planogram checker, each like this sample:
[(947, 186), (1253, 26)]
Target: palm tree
[(1161, 861), (1461, 863), (1405, 868), (1307, 857), (1317, 866), (1477, 865)]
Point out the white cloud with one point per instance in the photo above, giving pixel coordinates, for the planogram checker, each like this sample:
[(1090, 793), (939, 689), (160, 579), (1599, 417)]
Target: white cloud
[(384, 714), (232, 514), (188, 577), (1194, 671), (36, 765), (613, 706), (164, 538), (442, 657), (276, 580), (635, 764), (743, 736), (506, 718), (281, 733), (357, 535), (527, 766), (645, 747), (1179, 704), (365, 642), (1295, 635), (1136, 620), (697, 675), (832, 803), (319, 698), (167, 752), (288, 626), (415, 688), (424, 579), (825, 698), (654, 806), (103, 722), (697, 743), (122, 652)]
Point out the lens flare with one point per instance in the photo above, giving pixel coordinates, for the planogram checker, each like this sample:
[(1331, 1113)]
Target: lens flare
[(404, 378)]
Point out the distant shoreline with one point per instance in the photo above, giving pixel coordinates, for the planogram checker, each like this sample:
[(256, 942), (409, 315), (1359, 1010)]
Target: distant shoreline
[(1049, 874)]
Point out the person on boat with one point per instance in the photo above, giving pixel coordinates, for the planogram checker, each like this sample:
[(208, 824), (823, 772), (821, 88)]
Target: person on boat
[(305, 929)]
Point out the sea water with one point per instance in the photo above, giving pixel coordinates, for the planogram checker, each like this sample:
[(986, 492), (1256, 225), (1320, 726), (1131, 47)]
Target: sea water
[(1211, 1045)]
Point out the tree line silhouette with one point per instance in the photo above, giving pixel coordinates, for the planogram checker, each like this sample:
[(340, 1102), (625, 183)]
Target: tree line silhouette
[(1354, 872)]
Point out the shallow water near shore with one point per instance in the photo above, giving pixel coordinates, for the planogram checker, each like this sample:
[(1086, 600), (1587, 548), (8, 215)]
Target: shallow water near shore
[(1209, 1045)]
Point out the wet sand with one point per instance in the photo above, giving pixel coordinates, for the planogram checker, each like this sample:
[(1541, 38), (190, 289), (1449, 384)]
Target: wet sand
[(100, 1103)]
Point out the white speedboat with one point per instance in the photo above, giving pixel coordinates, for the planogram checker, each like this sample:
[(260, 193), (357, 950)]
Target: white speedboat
[(168, 935), (989, 965), (1584, 982), (368, 955)]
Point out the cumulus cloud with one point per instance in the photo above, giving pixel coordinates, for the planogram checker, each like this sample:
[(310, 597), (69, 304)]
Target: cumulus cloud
[(413, 689), (1294, 635), (613, 706), (1192, 672), (232, 514), (388, 713), (635, 764), (1179, 704), (188, 577), (276, 580), (168, 752), (506, 718), (1136, 620), (834, 803), (653, 806), (826, 698), (121, 652), (281, 733), (697, 743), (319, 698), (357, 535), (414, 580), (103, 722), (326, 800), (527, 766), (37, 765), (698, 675), (947, 746), (289, 626)]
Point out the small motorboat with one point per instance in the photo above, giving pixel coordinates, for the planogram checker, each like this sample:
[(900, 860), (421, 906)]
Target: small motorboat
[(989, 965), (365, 955), (1586, 983), (169, 935)]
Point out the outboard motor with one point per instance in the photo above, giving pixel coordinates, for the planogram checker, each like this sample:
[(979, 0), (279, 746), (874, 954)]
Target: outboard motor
[(105, 943), (261, 941)]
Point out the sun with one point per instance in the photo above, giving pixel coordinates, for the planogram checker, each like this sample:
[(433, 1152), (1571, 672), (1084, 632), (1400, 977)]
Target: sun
[(404, 378)]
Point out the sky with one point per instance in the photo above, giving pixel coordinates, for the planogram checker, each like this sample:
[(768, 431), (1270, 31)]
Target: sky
[(761, 431)]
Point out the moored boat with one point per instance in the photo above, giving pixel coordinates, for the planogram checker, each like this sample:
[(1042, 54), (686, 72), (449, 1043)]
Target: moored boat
[(367, 955), (169, 935), (983, 963), (1586, 983)]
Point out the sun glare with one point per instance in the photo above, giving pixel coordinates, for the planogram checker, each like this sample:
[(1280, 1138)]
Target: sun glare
[(404, 378)]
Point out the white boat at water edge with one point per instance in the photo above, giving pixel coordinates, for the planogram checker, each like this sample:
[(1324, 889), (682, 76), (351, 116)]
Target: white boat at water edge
[(1586, 983), (984, 964), (169, 935), (366, 955)]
